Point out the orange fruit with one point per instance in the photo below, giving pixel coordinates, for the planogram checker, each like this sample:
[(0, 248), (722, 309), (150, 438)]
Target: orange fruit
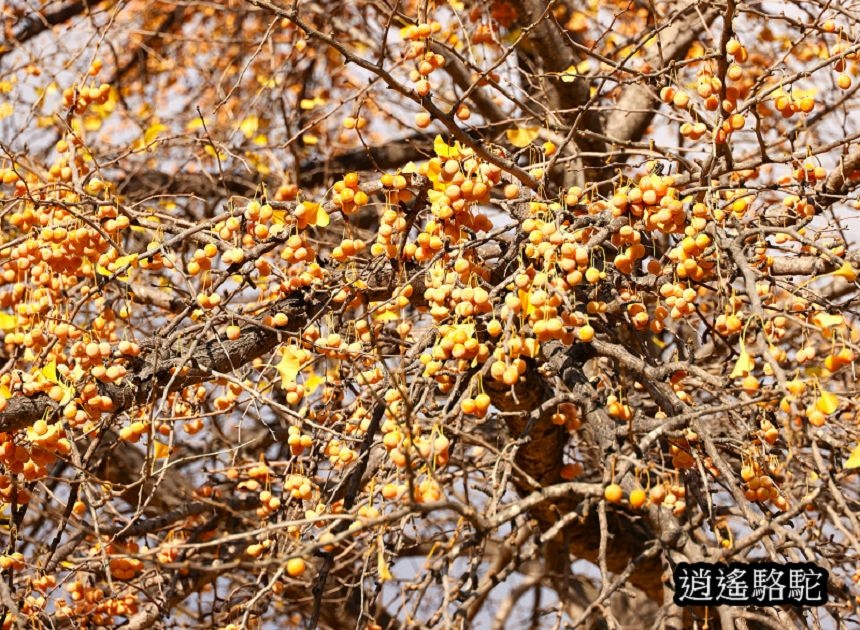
[(585, 333), (637, 498), (613, 493), (295, 567)]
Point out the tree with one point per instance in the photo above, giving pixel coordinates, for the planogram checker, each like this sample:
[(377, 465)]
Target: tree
[(373, 314)]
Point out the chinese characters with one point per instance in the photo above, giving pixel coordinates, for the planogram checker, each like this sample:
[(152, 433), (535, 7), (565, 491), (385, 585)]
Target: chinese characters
[(754, 584)]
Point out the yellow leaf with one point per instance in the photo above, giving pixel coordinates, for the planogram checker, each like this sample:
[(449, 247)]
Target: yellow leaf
[(382, 567), (103, 110), (261, 140), (409, 168), (314, 381), (49, 371), (744, 365), (193, 125), (151, 133), (826, 320), (311, 213), (437, 198), (5, 392), (267, 82), (522, 136), (92, 123), (6, 110), (160, 450), (827, 403), (385, 316), (210, 151), (569, 75), (799, 94), (441, 148), (528, 308), (279, 217), (853, 460), (310, 139), (8, 322), (322, 219), (122, 261), (846, 271), (288, 367), (249, 126)]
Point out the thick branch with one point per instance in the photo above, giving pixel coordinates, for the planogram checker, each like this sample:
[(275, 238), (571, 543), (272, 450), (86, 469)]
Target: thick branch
[(37, 23), (556, 56), (314, 172), (841, 180), (153, 371), (639, 101)]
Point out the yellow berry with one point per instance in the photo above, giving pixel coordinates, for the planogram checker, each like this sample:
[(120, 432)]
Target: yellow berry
[(613, 493)]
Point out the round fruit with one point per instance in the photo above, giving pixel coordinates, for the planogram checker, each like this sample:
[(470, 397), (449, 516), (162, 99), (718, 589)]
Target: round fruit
[(585, 334), (613, 493), (295, 567), (637, 498)]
